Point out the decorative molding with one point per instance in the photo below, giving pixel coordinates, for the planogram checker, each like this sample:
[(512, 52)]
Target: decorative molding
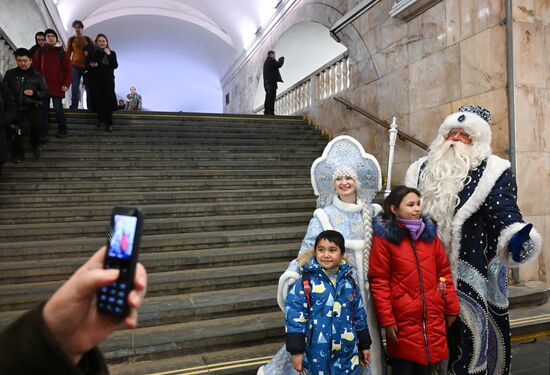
[(408, 9), (284, 7), (351, 16)]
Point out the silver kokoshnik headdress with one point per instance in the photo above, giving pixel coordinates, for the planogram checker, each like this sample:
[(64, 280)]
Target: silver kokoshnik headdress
[(341, 154)]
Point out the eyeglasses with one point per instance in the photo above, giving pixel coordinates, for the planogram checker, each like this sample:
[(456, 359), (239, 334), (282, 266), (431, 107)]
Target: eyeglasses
[(458, 133)]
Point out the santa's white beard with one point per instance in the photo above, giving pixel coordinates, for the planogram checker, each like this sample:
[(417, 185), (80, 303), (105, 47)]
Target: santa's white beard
[(443, 179)]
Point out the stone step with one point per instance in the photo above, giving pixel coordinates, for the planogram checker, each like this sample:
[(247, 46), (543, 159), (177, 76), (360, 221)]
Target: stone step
[(200, 224), (61, 156), (11, 174), (245, 131), (241, 360), (36, 270), (138, 164), (100, 212), (154, 243), (153, 197), (206, 138), (59, 146), (193, 337), (26, 295), (52, 186)]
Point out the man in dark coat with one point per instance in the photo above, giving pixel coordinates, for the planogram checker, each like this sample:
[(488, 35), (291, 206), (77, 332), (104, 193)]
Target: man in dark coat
[(271, 77), (7, 115), (472, 195), (29, 90)]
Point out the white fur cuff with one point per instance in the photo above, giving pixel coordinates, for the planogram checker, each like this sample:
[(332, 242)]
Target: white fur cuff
[(504, 239), (287, 279)]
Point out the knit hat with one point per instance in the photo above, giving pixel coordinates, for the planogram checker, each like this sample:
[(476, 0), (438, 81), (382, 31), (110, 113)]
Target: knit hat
[(51, 31), (473, 119)]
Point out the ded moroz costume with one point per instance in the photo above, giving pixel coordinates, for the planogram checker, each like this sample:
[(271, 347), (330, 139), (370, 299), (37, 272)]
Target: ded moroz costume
[(472, 194)]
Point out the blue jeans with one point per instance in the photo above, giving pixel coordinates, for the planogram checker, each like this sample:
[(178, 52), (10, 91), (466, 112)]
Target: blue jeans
[(78, 72), (59, 112)]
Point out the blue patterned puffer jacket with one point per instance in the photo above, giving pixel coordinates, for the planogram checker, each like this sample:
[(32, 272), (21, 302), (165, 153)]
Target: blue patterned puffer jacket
[(334, 328)]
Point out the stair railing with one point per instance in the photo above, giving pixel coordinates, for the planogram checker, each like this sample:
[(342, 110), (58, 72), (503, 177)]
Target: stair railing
[(401, 135), (7, 48), (327, 81)]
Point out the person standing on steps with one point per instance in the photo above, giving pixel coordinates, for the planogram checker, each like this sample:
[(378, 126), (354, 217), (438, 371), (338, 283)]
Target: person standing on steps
[(76, 52), (29, 90), (53, 63), (472, 195), (102, 63), (271, 77)]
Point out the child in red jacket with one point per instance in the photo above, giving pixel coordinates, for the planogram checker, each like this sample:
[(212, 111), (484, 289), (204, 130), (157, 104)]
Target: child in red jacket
[(411, 284)]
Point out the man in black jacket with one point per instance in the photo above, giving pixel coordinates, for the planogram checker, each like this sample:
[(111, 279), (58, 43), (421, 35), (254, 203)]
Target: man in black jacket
[(29, 89), (7, 116), (271, 77)]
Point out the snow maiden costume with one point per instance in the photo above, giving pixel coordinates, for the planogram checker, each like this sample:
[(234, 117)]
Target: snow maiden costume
[(483, 232), (343, 156)]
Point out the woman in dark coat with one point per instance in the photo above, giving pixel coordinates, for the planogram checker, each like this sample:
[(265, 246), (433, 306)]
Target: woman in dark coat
[(102, 63)]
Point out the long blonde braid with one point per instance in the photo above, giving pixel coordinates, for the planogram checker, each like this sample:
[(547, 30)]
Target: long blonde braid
[(367, 225)]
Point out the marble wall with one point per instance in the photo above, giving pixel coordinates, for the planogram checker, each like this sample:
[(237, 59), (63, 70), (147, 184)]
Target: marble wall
[(421, 70), (532, 97)]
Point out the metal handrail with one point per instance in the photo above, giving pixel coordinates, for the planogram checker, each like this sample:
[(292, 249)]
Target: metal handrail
[(401, 135)]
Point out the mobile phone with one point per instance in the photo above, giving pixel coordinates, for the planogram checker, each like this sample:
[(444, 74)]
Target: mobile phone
[(122, 253)]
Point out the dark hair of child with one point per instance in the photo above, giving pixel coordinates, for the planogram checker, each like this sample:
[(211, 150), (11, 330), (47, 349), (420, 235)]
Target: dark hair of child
[(332, 236), (395, 197)]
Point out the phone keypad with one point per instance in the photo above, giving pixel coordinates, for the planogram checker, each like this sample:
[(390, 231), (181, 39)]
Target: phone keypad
[(112, 298)]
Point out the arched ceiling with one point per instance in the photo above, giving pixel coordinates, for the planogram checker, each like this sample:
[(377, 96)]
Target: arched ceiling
[(174, 51)]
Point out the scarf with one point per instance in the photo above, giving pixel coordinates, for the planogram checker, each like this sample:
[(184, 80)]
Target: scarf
[(415, 227)]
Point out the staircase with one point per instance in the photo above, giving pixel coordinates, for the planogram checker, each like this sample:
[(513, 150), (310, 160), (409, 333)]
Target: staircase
[(226, 198), (226, 201)]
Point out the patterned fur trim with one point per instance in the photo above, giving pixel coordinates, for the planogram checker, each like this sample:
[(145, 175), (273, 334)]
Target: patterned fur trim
[(390, 231), (495, 168), (504, 239)]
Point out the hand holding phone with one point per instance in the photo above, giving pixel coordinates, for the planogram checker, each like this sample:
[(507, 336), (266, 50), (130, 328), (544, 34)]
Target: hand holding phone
[(122, 253)]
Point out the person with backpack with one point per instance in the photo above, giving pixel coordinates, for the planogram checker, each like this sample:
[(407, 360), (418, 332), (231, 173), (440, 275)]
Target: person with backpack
[(76, 50), (53, 63), (29, 90), (326, 324), (411, 285)]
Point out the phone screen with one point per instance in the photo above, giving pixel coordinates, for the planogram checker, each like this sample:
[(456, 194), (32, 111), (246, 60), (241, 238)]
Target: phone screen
[(122, 238)]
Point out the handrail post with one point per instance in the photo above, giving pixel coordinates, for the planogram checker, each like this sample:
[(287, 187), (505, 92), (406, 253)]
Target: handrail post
[(393, 137)]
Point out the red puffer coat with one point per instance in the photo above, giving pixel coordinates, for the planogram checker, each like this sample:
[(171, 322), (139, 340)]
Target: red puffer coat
[(404, 276), (54, 64)]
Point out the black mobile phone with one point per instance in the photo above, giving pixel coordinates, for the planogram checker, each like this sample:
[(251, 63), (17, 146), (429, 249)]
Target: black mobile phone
[(122, 253)]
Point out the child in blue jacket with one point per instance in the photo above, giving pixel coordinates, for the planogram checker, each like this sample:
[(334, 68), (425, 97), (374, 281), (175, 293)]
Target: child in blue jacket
[(325, 315)]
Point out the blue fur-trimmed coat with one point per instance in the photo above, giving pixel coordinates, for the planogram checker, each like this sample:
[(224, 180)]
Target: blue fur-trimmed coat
[(331, 331), (485, 221), (404, 278)]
